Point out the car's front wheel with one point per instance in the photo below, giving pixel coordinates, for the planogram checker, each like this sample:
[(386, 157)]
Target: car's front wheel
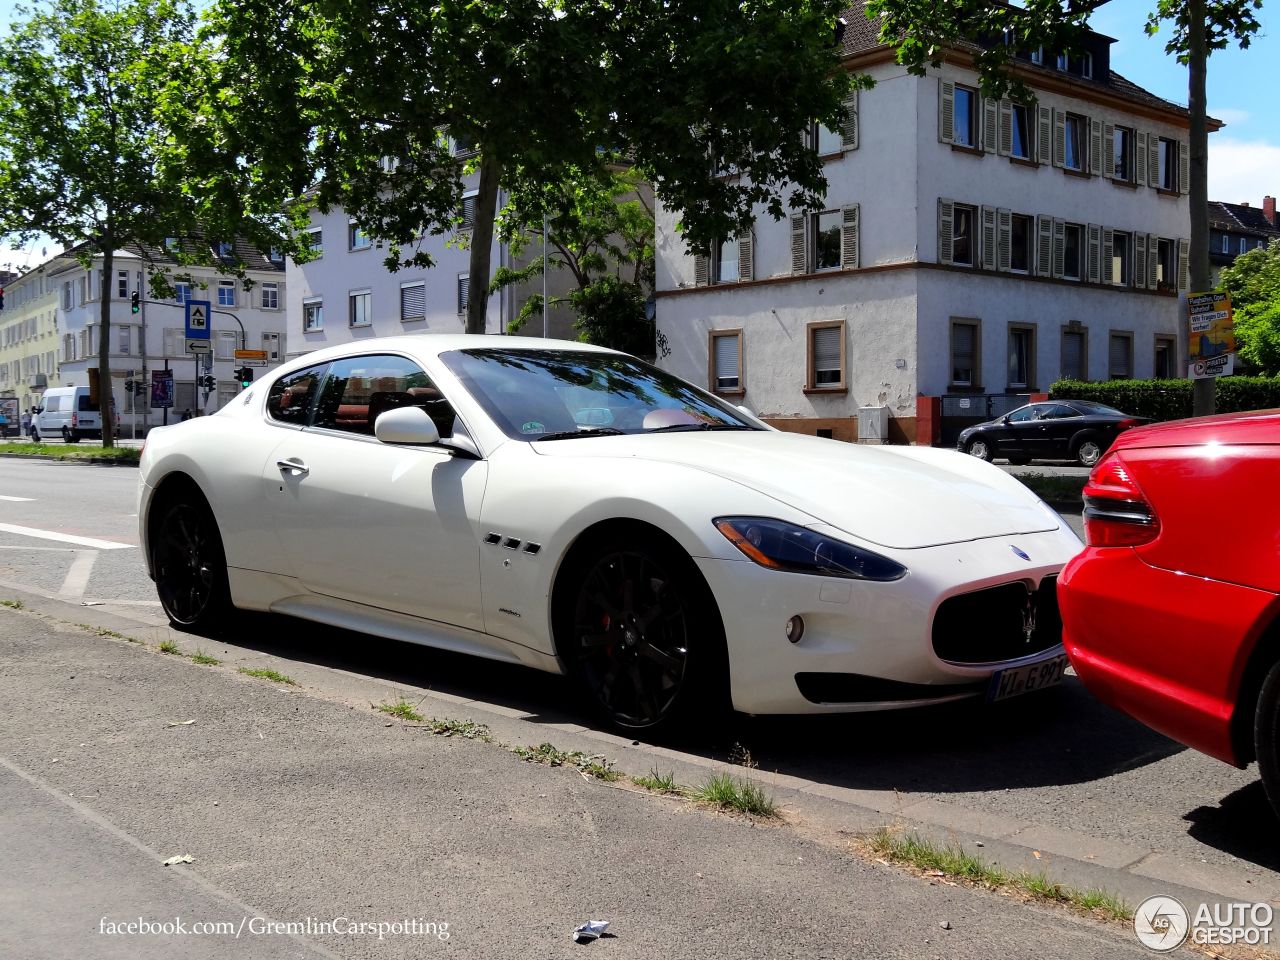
[(641, 634), (980, 448), (1266, 735), (190, 566)]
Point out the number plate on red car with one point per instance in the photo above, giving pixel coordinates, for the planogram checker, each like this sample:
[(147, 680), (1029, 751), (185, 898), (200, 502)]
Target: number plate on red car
[(1019, 680)]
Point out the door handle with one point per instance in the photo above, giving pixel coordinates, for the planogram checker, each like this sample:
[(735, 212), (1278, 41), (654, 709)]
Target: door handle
[(294, 466)]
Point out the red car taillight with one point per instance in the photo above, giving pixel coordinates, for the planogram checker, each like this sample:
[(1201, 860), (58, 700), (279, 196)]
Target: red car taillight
[(1127, 423), (75, 420), (1116, 514)]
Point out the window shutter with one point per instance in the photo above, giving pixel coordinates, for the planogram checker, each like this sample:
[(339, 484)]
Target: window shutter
[(701, 270), (413, 302), (1153, 160), (1140, 159), (1044, 245), (946, 226), (1006, 128), (1059, 138), (990, 124), (1095, 148), (1073, 355), (1108, 255), (1140, 261), (1094, 274), (727, 361), (826, 349), (1059, 248), (799, 253), (1183, 252), (962, 350), (988, 238), (946, 110), (746, 255), (849, 132), (464, 293), (1005, 241), (1044, 135), (1184, 168), (1109, 149), (1153, 261), (1119, 357), (849, 238)]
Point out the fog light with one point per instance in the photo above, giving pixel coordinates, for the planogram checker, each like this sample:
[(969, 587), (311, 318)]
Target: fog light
[(795, 628)]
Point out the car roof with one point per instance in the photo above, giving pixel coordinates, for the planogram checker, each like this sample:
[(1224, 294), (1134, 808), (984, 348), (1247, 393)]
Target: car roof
[(1250, 426), (432, 345)]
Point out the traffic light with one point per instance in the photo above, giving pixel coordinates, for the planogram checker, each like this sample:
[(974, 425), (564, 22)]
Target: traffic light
[(129, 386), (208, 382), (245, 376), (135, 302), (1, 298)]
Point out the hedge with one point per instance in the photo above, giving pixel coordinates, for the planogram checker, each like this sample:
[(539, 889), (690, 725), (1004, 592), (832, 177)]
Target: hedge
[(1171, 399)]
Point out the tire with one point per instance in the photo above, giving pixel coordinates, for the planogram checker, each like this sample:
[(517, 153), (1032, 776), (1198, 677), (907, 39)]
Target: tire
[(35, 436), (979, 447), (638, 630), (190, 565), (1088, 451), (1266, 735)]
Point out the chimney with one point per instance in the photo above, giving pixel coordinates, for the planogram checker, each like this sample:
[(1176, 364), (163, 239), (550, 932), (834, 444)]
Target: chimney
[(1269, 210), (1244, 203)]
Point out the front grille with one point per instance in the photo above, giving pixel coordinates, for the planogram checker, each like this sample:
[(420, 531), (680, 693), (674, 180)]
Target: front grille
[(989, 626)]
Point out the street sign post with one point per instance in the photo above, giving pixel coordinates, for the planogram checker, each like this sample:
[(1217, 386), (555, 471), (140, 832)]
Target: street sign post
[(251, 355), (198, 313), (198, 346)]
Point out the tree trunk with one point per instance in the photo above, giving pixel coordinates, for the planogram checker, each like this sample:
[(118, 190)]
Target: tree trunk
[(104, 347), (1203, 395), (481, 241)]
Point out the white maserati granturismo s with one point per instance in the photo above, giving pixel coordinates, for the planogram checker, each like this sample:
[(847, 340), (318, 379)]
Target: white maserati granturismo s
[(577, 510)]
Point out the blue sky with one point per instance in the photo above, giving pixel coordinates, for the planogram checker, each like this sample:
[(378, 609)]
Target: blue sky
[(1244, 157)]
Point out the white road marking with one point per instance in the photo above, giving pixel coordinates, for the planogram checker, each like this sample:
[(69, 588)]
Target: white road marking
[(18, 499), (63, 537), (77, 579)]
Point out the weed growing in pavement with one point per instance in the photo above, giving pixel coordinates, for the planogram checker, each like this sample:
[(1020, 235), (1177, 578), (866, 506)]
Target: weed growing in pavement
[(401, 708), (660, 783), (168, 646), (950, 861), (264, 674), (588, 765), (203, 658), (731, 793), (468, 729), (104, 632), (12, 604)]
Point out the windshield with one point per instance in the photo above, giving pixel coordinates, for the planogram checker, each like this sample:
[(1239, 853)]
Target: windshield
[(553, 394)]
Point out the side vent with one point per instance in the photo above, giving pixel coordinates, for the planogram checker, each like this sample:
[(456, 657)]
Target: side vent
[(532, 548), (493, 538)]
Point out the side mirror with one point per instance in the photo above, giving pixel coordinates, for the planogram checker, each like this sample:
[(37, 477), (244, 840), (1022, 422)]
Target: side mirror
[(406, 425)]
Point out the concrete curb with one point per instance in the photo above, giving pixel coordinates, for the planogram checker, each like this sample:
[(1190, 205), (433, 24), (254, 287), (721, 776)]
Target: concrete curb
[(97, 461)]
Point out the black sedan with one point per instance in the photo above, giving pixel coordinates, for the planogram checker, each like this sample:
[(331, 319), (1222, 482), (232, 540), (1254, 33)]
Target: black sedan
[(1079, 430)]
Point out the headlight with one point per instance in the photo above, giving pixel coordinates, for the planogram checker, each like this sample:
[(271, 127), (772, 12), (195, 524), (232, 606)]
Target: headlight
[(779, 545)]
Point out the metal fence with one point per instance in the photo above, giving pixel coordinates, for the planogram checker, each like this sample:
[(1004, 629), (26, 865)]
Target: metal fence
[(964, 410)]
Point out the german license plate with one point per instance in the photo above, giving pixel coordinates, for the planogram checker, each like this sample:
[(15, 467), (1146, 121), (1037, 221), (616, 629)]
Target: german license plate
[(1019, 680)]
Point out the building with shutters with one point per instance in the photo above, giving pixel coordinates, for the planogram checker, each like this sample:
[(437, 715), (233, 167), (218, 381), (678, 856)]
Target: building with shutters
[(28, 340), (969, 247)]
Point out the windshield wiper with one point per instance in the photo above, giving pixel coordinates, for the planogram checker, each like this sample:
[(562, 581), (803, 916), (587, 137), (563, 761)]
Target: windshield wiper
[(682, 427), (575, 434)]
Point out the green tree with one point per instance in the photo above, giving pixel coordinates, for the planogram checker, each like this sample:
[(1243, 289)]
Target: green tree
[(1254, 284), (80, 149), (358, 105), (921, 30)]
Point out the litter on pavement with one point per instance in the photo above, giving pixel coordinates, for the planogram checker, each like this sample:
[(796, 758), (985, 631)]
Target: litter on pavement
[(590, 930)]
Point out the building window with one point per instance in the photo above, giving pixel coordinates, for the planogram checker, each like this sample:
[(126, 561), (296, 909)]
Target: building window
[(122, 284), (726, 261), (1120, 356), (1086, 66), (825, 140), (226, 249), (1022, 356), (1020, 234), (1020, 145), (726, 361), (226, 293), (1063, 63), (358, 308), (271, 344), (464, 147), (126, 336), (227, 342), (171, 244), (413, 301), (1166, 254), (468, 213), (1071, 251), (1168, 167), (315, 240), (1122, 148), (964, 353), (826, 240), (275, 255), (1074, 357), (826, 356), (962, 236), (1074, 128), (312, 315), (357, 239), (271, 296), (1164, 358), (464, 292), (964, 129), (1243, 246), (1121, 258), (182, 292)]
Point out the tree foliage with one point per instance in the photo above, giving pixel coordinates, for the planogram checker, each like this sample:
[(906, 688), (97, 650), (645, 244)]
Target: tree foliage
[(1254, 284), (312, 95)]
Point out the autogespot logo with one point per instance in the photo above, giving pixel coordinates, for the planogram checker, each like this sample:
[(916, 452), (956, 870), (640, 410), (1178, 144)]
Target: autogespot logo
[(1161, 923)]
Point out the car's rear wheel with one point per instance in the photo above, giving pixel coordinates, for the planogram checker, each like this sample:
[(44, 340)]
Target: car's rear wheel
[(1266, 735), (980, 448), (189, 563), (641, 634), (1088, 451)]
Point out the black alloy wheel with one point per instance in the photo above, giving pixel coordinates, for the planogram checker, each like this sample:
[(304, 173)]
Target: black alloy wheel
[(190, 567)]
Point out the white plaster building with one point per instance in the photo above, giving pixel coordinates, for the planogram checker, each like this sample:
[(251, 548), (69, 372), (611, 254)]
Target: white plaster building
[(968, 247)]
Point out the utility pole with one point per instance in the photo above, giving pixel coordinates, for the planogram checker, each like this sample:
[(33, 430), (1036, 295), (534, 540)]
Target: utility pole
[(1204, 390), (544, 277)]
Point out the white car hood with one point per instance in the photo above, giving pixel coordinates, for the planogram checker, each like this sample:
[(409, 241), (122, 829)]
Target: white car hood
[(900, 497)]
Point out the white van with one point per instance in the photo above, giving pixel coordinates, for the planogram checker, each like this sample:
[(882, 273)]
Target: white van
[(67, 412)]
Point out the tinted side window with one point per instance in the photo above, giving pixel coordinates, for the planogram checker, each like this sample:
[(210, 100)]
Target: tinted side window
[(292, 396), (1024, 414), (1060, 411), (360, 389), (85, 405)]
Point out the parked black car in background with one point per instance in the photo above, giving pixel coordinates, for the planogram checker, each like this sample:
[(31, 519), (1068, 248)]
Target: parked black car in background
[(1079, 430)]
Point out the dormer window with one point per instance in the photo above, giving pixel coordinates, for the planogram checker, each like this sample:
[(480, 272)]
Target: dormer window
[(171, 244), (226, 249), (1037, 55), (1063, 62)]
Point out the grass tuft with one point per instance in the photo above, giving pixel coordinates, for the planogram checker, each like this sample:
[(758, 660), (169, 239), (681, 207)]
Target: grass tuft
[(63, 452), (957, 864), (272, 675), (588, 765), (203, 658), (12, 604), (467, 729), (401, 708), (660, 782), (168, 646), (731, 793), (1051, 488)]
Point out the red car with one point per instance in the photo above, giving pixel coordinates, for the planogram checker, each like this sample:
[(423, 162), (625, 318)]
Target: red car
[(1172, 611)]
